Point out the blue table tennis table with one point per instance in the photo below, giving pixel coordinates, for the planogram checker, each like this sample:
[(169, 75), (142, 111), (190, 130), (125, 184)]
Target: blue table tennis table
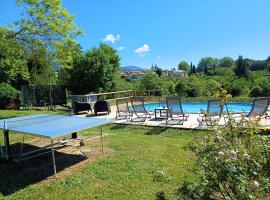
[(46, 126)]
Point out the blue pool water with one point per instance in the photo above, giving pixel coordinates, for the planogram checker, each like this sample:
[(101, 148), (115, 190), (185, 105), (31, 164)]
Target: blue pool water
[(194, 107)]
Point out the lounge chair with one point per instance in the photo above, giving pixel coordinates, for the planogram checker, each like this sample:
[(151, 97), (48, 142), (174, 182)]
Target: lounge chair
[(213, 113), (139, 108), (123, 111), (102, 106), (258, 110), (175, 110), (82, 103)]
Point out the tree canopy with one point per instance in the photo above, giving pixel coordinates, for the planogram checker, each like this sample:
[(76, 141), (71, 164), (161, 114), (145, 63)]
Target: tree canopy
[(47, 24), (13, 68), (183, 65), (94, 71)]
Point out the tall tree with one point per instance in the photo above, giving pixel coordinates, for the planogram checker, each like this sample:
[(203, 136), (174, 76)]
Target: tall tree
[(207, 64), (226, 62), (183, 65), (241, 69), (13, 68), (47, 24), (95, 71), (157, 70)]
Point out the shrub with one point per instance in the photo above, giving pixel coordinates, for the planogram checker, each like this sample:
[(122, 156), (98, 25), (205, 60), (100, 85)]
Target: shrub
[(233, 162), (7, 94), (257, 91)]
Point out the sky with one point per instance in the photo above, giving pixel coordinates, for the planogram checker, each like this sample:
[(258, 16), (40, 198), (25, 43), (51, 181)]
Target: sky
[(165, 32)]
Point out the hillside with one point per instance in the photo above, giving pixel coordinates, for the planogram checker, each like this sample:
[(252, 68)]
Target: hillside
[(131, 68)]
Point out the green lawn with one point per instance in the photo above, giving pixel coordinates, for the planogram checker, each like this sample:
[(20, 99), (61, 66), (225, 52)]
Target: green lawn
[(129, 173)]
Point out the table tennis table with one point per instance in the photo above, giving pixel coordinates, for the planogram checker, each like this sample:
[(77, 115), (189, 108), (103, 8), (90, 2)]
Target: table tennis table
[(46, 126)]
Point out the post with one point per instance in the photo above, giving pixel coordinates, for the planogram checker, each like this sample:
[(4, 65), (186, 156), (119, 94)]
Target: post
[(21, 149), (6, 141), (53, 158), (101, 137)]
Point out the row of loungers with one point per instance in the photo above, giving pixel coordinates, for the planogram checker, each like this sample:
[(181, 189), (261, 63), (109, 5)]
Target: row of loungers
[(215, 110)]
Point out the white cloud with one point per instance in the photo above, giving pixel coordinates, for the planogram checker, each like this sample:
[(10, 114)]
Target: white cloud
[(159, 57), (142, 51), (111, 38), (120, 48)]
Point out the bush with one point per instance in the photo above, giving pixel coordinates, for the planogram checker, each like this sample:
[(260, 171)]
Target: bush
[(7, 94), (257, 91), (232, 165), (233, 162)]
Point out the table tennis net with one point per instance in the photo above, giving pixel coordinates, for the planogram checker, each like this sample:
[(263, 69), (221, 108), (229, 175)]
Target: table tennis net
[(29, 121)]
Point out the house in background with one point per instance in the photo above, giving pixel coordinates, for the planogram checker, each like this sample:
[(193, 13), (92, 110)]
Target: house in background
[(175, 73)]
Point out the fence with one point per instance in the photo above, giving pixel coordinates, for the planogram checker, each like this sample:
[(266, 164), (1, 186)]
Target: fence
[(149, 96), (43, 95)]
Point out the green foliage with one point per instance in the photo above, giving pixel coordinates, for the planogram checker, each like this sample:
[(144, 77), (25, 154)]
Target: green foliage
[(261, 87), (192, 69), (150, 81), (41, 71), (47, 24), (123, 84), (95, 71), (232, 162), (157, 70), (194, 86), (183, 65), (256, 91), (13, 67), (226, 62), (7, 94), (238, 87), (207, 65), (241, 69), (226, 72)]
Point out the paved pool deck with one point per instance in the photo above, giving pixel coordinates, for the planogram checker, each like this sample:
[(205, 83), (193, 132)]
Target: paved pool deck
[(191, 123)]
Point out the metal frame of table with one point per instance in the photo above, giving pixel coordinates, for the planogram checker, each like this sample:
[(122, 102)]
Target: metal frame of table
[(161, 110)]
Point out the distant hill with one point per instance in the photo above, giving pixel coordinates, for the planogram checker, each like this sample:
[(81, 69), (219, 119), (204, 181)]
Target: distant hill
[(131, 68)]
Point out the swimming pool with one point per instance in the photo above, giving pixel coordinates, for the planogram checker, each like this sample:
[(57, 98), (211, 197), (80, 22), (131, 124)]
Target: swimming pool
[(194, 107)]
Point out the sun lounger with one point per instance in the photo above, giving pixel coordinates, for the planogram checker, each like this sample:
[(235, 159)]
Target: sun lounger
[(123, 111), (213, 113), (175, 110), (139, 108)]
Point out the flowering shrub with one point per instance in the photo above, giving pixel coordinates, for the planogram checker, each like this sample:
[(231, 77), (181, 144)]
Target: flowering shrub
[(233, 163)]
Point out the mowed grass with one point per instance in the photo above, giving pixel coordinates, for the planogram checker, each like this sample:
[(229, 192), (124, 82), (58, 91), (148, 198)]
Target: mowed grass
[(130, 173)]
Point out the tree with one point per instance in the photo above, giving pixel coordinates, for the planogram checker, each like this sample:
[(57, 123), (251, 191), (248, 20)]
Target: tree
[(226, 62), (150, 81), (13, 68), (40, 69), (95, 71), (183, 65), (157, 70), (192, 69), (47, 24), (207, 64), (181, 88), (241, 69)]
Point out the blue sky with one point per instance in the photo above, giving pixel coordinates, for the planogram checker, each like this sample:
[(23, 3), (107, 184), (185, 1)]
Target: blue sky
[(164, 32)]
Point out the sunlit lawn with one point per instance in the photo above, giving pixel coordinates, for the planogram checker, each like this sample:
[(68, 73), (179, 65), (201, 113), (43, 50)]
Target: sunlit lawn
[(130, 173)]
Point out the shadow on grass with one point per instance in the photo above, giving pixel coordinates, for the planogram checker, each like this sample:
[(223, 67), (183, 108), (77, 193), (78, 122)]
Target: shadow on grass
[(156, 131), (7, 117), (15, 176), (120, 126)]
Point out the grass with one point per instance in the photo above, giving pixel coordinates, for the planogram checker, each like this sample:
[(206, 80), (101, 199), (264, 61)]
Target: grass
[(130, 173)]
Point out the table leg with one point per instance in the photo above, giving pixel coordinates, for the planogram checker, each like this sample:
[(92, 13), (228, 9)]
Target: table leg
[(7, 144), (155, 113), (101, 137), (74, 135), (53, 157)]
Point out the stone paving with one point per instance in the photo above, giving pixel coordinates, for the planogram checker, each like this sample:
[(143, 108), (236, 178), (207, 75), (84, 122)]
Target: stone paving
[(191, 123)]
